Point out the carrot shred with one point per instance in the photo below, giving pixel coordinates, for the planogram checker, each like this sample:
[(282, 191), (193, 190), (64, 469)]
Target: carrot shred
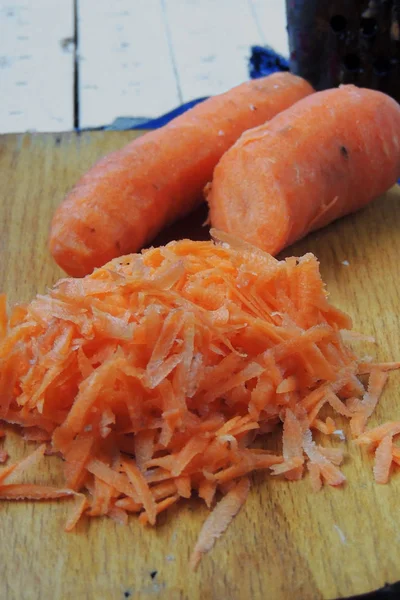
[(77, 512), (366, 367), (158, 376), (129, 505), (77, 456), (219, 519), (315, 476), (3, 315), (383, 459), (119, 515), (12, 472), (367, 405), (207, 491), (376, 435), (117, 480), (29, 491), (142, 489), (160, 507), (396, 455)]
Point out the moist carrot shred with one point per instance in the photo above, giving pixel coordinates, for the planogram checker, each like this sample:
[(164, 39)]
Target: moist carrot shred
[(119, 515), (77, 512), (142, 489), (156, 377), (383, 459), (29, 491), (160, 507), (3, 315), (219, 519)]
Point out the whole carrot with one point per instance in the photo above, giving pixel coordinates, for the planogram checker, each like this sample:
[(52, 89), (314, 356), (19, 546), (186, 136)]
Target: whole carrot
[(130, 195), (324, 157)]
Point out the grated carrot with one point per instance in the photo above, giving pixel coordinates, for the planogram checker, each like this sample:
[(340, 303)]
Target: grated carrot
[(3, 315), (155, 376), (366, 407), (215, 525), (383, 459), (77, 512)]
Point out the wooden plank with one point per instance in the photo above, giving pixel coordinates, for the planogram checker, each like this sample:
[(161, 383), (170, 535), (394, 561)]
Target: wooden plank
[(36, 65), (125, 67), (211, 44), (271, 19), (286, 542)]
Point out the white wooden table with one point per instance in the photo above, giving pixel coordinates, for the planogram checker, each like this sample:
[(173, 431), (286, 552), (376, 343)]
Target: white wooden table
[(66, 63)]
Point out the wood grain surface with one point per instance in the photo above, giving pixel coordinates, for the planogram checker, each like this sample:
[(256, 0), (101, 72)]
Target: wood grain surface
[(287, 542)]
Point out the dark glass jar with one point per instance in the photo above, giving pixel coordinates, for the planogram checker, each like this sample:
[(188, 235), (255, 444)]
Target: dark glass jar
[(346, 41)]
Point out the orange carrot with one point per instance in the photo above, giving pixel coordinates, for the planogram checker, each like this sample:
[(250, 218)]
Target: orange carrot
[(77, 512), (365, 367), (142, 489), (377, 434), (326, 156), (315, 476), (3, 315), (130, 195), (365, 408), (207, 491), (292, 447), (129, 505), (12, 472), (219, 519), (159, 375), (396, 455), (119, 515), (28, 491), (383, 459), (77, 456), (160, 507)]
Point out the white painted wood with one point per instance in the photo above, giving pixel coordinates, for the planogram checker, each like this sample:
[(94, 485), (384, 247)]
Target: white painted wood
[(125, 66), (36, 65), (271, 19), (138, 58), (211, 42)]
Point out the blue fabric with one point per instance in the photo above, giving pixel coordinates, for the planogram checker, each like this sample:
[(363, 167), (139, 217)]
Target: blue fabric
[(263, 61)]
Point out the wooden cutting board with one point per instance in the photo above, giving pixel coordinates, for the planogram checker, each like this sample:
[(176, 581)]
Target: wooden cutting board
[(287, 542)]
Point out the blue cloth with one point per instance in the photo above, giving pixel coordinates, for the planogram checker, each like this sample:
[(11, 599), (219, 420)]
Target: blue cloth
[(263, 61), (124, 123)]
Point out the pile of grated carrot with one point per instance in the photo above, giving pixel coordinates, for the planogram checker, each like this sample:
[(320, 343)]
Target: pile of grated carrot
[(162, 374)]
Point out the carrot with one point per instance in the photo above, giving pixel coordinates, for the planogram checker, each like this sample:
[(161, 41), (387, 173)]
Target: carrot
[(328, 155), (12, 472), (119, 515), (160, 507), (142, 489), (365, 408), (396, 455), (377, 434), (130, 195), (160, 375), (28, 491), (77, 512), (219, 519), (383, 459), (3, 315), (77, 456)]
